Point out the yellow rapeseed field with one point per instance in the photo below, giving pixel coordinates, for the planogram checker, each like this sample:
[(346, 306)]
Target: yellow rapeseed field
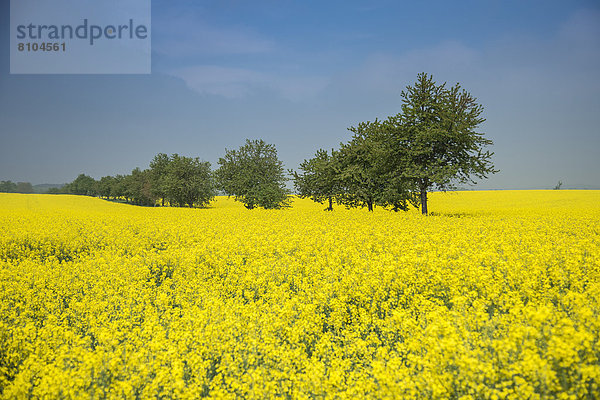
[(494, 296)]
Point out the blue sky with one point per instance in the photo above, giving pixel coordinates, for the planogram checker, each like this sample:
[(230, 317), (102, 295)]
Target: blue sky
[(299, 73)]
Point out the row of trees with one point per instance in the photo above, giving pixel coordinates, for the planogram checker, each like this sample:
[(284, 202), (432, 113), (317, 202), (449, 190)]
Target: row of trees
[(253, 174), (432, 143), (12, 187), (174, 180)]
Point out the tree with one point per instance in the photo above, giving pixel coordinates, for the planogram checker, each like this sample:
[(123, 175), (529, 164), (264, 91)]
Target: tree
[(118, 188), (360, 167), (319, 179), (8, 187), (82, 185), (104, 186), (158, 175), (434, 140), (188, 181), (138, 188), (24, 187), (254, 175), (364, 171), (558, 185)]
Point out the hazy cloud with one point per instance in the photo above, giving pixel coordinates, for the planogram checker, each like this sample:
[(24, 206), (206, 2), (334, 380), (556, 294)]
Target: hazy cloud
[(239, 82)]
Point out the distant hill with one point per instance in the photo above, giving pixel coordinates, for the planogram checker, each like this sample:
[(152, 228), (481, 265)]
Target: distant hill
[(43, 187)]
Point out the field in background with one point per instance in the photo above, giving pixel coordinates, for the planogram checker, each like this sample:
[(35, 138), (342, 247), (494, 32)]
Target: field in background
[(496, 295)]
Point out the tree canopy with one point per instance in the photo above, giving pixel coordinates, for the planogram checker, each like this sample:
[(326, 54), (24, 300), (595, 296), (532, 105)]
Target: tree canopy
[(158, 176), (366, 174), (188, 181), (254, 175), (8, 187), (319, 178), (434, 141), (82, 185)]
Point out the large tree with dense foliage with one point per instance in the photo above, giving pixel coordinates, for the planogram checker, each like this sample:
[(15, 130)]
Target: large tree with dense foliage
[(8, 187), (104, 186), (189, 181), (158, 175), (24, 187), (434, 141), (118, 188), (365, 174), (138, 188), (318, 179), (254, 175), (82, 185), (360, 167)]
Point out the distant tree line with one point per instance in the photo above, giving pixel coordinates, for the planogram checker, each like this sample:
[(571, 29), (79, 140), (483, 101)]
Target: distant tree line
[(170, 180), (12, 187), (432, 144), (252, 174)]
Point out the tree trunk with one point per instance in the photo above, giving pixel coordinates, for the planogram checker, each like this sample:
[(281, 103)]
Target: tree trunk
[(423, 200), (163, 202), (330, 208), (370, 205)]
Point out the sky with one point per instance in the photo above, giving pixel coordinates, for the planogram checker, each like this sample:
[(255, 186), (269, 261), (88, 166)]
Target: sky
[(298, 74)]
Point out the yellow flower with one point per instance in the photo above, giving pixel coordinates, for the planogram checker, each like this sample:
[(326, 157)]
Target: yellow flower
[(496, 296)]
